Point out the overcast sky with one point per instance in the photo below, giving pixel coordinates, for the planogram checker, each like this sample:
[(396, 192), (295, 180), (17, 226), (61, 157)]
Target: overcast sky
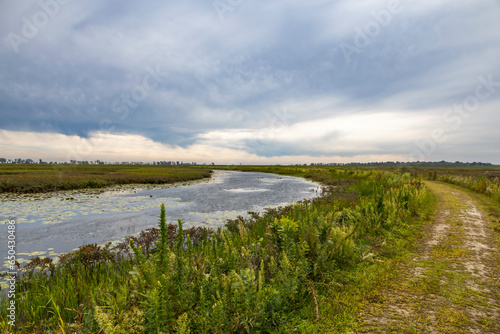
[(240, 81)]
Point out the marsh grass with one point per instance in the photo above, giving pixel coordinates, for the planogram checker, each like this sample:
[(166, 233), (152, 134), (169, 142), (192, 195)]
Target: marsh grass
[(45, 178), (302, 268)]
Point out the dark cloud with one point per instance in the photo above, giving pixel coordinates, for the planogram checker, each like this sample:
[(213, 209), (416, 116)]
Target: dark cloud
[(84, 66)]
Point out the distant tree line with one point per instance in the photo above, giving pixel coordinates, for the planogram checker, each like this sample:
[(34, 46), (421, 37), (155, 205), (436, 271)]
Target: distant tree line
[(350, 164), (409, 164), (94, 162)]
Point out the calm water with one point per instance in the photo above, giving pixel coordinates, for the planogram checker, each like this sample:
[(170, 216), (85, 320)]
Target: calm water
[(50, 224)]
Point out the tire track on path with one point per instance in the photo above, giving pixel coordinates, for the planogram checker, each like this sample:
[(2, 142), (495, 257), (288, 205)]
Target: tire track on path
[(453, 284)]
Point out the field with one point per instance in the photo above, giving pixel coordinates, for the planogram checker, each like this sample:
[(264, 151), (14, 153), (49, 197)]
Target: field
[(306, 268), (45, 178)]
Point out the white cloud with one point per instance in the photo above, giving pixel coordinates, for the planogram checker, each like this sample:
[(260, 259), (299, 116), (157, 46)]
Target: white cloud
[(348, 134), (229, 81), (122, 147)]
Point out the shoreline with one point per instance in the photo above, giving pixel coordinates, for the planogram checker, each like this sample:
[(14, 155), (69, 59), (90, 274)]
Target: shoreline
[(26, 179), (72, 198), (114, 188)]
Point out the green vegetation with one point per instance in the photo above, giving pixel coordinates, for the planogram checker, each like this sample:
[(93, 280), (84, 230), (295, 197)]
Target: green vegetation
[(308, 267), (44, 178), (480, 184), (450, 284)]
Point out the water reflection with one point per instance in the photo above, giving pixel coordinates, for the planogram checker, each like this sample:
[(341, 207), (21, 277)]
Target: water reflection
[(49, 224)]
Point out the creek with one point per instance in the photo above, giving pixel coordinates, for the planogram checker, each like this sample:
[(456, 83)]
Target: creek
[(54, 223)]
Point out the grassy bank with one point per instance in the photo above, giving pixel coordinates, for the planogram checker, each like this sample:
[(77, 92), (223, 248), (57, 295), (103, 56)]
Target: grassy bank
[(45, 178), (483, 180), (449, 285), (481, 184), (308, 267)]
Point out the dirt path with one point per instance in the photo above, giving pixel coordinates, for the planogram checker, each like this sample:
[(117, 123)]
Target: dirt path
[(453, 283)]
